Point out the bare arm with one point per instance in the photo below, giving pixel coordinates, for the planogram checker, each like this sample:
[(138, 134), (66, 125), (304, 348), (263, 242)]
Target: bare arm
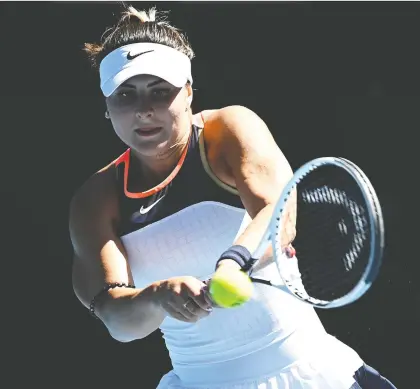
[(100, 258), (258, 169)]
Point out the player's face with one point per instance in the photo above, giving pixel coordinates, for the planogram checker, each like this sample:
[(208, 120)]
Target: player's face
[(149, 114)]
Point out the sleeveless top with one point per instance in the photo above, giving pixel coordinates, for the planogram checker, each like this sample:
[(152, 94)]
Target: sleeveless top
[(180, 228), (193, 183)]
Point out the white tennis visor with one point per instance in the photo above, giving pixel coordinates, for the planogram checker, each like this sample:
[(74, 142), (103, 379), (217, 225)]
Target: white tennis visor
[(144, 58)]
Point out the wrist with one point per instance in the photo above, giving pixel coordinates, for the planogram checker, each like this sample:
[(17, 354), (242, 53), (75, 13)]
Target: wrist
[(155, 293), (228, 263), (110, 292), (238, 254)]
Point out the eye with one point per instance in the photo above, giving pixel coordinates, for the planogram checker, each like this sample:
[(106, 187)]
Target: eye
[(161, 92), (124, 94)]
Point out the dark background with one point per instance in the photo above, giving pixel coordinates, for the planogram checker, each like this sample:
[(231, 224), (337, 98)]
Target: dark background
[(337, 79)]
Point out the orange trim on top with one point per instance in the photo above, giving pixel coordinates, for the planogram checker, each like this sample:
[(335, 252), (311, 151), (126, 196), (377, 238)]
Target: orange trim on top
[(122, 157), (125, 158)]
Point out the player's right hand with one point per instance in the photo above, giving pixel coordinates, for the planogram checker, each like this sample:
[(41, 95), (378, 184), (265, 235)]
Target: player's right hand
[(184, 298)]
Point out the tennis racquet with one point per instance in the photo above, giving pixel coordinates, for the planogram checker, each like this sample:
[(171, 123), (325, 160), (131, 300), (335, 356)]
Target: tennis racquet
[(339, 241)]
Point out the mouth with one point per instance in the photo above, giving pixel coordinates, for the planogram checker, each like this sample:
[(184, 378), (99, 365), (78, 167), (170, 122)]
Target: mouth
[(148, 131)]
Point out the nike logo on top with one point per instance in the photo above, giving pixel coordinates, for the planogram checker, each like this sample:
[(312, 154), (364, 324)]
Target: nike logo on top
[(147, 209), (130, 56)]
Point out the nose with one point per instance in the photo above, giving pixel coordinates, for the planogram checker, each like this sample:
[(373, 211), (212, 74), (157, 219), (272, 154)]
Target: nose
[(144, 111)]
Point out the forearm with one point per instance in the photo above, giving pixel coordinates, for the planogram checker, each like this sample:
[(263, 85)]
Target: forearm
[(130, 314), (252, 236)]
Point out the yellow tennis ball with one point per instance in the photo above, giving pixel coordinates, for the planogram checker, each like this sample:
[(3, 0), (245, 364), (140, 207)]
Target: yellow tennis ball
[(230, 288)]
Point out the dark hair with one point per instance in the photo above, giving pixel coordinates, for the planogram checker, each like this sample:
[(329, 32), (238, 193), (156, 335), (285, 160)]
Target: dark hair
[(138, 26)]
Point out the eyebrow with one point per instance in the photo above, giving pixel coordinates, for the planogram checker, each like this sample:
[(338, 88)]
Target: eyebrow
[(153, 83)]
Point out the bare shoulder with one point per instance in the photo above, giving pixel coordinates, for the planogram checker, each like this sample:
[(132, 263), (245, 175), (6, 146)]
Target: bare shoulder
[(95, 199), (96, 183), (231, 118), (201, 118), (228, 112), (231, 111), (235, 124)]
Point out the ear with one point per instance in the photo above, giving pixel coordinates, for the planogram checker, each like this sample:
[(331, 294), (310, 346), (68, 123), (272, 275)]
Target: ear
[(190, 94)]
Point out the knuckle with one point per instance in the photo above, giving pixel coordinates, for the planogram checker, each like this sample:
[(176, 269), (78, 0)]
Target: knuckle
[(177, 289)]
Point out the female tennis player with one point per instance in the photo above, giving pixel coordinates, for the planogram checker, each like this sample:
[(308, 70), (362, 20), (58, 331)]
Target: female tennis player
[(148, 229)]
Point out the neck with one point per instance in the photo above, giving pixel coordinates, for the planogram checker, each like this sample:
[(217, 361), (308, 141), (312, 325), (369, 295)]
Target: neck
[(157, 167)]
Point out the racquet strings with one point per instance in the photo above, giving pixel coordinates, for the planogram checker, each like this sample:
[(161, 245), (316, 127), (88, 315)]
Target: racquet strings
[(332, 233)]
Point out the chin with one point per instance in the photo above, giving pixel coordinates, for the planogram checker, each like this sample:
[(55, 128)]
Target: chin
[(152, 147)]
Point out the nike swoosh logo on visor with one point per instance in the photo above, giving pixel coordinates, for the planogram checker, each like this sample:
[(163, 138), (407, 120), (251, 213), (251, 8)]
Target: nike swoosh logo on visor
[(130, 57), (147, 209)]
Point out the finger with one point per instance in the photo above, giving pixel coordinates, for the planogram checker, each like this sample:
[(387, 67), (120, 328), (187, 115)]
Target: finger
[(195, 291), (195, 309), (208, 299), (188, 308), (169, 309), (200, 300), (178, 316), (206, 293), (177, 308)]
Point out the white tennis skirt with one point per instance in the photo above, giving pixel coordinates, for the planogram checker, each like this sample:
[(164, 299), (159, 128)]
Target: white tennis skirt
[(302, 375), (332, 366)]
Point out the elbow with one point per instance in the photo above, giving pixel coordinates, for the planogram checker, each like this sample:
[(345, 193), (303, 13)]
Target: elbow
[(120, 324), (117, 328), (121, 336)]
